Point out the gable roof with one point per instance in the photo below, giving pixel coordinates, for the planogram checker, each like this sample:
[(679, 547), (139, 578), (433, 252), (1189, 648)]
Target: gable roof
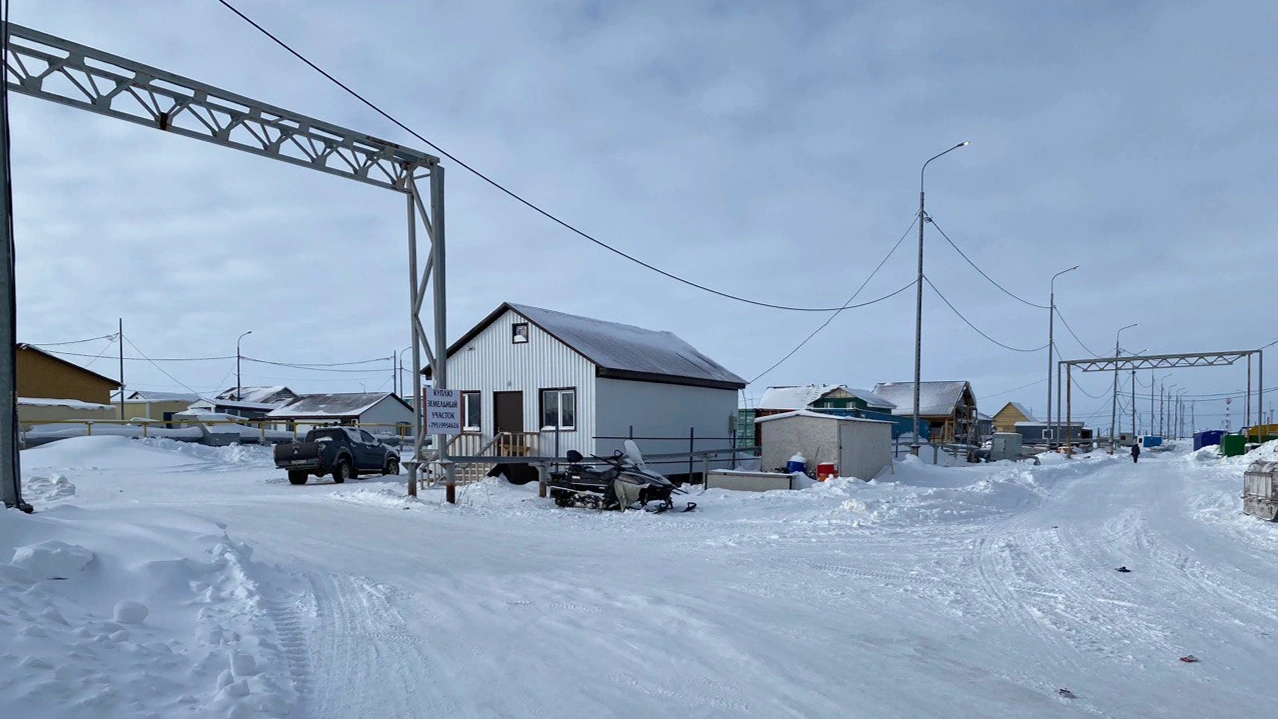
[(936, 399), (37, 350), (619, 351), (818, 415), (336, 405), (800, 397), (1021, 409), (794, 397), (872, 400), (144, 395), (277, 393)]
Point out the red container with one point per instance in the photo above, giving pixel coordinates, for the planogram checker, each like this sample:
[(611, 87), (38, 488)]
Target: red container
[(826, 470)]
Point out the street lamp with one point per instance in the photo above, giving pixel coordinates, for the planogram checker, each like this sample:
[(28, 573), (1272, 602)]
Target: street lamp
[(1051, 315), (399, 374), (918, 303), (1113, 405), (237, 363), (1180, 413)]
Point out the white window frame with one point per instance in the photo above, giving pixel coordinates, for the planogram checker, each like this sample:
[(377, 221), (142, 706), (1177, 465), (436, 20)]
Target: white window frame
[(469, 398), (558, 393)]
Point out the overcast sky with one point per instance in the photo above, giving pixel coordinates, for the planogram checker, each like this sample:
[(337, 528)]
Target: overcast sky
[(766, 149)]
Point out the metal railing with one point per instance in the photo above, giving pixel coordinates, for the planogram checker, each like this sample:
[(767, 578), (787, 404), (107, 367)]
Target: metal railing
[(268, 431)]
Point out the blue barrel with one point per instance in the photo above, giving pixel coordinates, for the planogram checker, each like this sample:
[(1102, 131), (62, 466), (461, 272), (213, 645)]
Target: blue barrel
[(797, 463)]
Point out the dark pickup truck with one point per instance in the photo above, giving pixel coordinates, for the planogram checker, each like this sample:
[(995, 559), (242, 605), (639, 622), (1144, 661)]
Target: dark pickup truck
[(344, 452)]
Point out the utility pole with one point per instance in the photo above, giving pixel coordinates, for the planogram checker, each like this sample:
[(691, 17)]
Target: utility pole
[(238, 389), (1133, 405), (1051, 316), (1113, 407), (10, 463), (918, 305), (121, 337)]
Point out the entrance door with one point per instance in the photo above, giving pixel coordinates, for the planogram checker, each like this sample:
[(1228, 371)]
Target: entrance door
[(508, 416)]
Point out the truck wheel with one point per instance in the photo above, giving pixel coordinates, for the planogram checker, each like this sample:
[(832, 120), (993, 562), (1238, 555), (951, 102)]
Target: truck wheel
[(392, 466), (297, 476), (341, 471)]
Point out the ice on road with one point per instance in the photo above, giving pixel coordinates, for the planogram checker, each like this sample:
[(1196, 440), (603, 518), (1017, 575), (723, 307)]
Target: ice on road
[(966, 591)]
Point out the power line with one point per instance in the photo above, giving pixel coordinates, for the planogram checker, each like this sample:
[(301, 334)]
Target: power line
[(1015, 389), (974, 327), (111, 336), (1006, 291), (381, 370), (1076, 339), (511, 193), (848, 302), (144, 359), (318, 365), (153, 364)]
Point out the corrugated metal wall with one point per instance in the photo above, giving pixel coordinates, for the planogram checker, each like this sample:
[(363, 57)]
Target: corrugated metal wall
[(492, 363), (40, 376)]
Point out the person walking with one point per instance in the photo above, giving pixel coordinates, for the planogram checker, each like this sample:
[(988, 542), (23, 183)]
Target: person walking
[(1135, 452)]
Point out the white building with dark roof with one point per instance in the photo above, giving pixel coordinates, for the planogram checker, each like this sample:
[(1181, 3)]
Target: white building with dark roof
[(552, 381)]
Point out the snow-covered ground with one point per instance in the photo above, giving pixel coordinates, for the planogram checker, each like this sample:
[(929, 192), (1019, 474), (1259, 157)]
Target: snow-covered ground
[(166, 579)]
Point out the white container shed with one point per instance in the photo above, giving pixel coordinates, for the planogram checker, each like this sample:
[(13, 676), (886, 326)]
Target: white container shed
[(860, 447)]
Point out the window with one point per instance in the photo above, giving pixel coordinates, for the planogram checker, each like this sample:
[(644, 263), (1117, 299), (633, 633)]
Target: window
[(559, 409), (470, 411), (519, 333), (368, 438)]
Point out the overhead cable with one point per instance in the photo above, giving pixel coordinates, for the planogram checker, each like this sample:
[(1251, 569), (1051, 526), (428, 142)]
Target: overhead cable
[(976, 267), (974, 327), (511, 193), (1076, 339), (847, 302)]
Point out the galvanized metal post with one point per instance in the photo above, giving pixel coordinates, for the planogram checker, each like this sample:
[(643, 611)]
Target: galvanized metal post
[(1260, 399), (1069, 426), (414, 300), (440, 371), (1247, 404), (121, 368), (1133, 405), (11, 481), (918, 322)]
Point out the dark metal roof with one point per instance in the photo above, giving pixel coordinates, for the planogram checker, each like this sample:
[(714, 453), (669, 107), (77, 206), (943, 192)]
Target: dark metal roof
[(340, 405), (621, 351)]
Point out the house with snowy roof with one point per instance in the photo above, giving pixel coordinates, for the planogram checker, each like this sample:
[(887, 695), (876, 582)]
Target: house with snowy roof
[(379, 412), (947, 410), (818, 397), (1005, 419), (276, 395), (538, 381)]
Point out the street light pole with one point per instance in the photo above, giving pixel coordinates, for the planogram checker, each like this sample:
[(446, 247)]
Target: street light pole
[(918, 304), (1113, 404), (237, 363), (1051, 316)]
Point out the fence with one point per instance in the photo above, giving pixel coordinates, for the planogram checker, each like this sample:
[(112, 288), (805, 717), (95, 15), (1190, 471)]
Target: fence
[(259, 431)]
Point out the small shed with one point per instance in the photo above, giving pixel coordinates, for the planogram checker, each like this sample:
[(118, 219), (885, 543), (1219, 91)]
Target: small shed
[(860, 447)]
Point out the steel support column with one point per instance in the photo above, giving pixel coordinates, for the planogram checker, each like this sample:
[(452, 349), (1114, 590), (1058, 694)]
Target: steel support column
[(51, 68)]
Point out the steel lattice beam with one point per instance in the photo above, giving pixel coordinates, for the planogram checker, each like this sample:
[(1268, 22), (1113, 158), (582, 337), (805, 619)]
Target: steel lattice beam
[(51, 68), (1197, 359), (54, 69)]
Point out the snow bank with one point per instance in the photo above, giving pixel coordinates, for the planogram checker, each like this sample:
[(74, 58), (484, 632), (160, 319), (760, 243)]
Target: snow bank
[(133, 613), (42, 488)]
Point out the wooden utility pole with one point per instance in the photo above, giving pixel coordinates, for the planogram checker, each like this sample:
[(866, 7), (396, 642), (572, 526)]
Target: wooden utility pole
[(120, 337)]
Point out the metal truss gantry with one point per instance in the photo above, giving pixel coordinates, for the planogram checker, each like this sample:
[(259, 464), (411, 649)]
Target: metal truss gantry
[(51, 68), (1164, 361)]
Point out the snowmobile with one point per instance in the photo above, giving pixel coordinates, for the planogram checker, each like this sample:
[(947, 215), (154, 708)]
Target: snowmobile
[(624, 483)]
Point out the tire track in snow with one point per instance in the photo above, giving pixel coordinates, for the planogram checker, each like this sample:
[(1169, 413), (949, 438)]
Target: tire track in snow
[(367, 660), (287, 614)]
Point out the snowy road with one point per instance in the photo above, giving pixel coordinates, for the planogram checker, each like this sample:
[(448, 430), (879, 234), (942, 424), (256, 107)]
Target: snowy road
[(958, 592)]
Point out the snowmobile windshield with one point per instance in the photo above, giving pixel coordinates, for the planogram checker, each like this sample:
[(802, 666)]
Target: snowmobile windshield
[(632, 453)]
